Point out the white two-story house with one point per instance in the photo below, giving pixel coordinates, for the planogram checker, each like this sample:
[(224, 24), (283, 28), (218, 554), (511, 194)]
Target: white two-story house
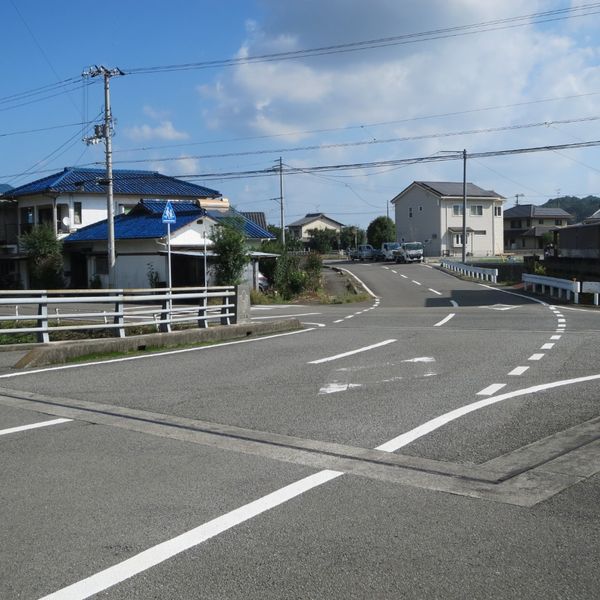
[(432, 212)]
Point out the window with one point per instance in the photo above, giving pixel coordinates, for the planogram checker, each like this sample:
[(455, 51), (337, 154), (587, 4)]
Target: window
[(101, 265), (476, 210), (480, 232), (77, 213), (558, 221), (457, 210), (540, 221), (410, 213), (458, 239), (434, 236), (515, 224), (497, 211), (420, 209)]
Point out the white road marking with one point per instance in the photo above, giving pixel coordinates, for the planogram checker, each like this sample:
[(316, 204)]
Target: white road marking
[(454, 303), (332, 388), (359, 281), (561, 326), (349, 317), (393, 271), (562, 320), (405, 277), (435, 291), (315, 324), (420, 359), (518, 370), (428, 266), (33, 426), (161, 552), (310, 314), (444, 320), (496, 289), (153, 355), (491, 389), (537, 356), (421, 430), (351, 352), (555, 337), (338, 321), (385, 268), (416, 282), (547, 346)]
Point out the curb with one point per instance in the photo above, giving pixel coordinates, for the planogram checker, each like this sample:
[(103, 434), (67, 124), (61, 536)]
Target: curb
[(60, 352)]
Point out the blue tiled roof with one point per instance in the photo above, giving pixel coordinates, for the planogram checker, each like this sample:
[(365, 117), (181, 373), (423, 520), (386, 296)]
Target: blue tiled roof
[(145, 221), (250, 228), (127, 182)]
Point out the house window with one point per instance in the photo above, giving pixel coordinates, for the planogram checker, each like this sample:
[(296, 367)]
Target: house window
[(77, 213), (420, 209), (101, 265), (480, 232), (458, 239), (457, 210), (558, 221), (515, 224), (476, 210), (540, 221), (497, 211), (434, 236), (410, 213)]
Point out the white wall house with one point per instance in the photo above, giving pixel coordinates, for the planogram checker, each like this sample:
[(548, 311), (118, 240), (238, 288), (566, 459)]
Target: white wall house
[(300, 229), (76, 197), (432, 212)]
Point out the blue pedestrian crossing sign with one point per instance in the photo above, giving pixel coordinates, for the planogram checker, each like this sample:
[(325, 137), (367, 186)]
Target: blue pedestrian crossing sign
[(168, 215)]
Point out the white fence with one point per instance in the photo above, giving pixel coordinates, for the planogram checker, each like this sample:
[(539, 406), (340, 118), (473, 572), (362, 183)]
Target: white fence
[(471, 271), (116, 309), (562, 287), (591, 287)]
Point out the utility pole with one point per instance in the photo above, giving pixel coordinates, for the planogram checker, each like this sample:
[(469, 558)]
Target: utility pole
[(282, 213), (464, 222), (517, 196), (105, 132)]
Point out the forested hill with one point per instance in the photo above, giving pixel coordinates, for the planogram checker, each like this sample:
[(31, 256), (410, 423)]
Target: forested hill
[(580, 208)]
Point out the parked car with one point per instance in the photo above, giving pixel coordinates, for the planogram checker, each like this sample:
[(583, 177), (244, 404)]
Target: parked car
[(363, 252), (409, 252)]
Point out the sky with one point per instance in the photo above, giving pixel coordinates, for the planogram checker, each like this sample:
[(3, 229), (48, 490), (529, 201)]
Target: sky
[(446, 76)]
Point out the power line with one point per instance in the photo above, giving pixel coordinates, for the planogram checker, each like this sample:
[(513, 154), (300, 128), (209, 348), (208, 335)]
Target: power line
[(49, 128), (435, 34)]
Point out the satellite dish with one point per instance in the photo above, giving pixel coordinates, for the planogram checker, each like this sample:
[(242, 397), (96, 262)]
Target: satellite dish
[(66, 221)]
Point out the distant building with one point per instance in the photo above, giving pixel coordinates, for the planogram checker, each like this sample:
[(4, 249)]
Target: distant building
[(432, 212), (300, 229), (529, 227)]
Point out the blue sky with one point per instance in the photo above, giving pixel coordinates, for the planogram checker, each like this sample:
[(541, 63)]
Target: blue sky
[(333, 109)]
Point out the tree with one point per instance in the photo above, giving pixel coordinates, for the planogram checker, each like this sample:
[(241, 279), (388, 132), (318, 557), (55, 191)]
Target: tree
[(381, 229), (44, 253), (229, 245), (322, 240), (351, 236)]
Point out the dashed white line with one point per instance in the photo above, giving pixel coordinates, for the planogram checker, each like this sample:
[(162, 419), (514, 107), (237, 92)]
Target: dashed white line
[(393, 271), (435, 291), (351, 352), (338, 321), (562, 320), (405, 277), (518, 370), (555, 337), (491, 389), (547, 346), (537, 356), (428, 266), (416, 282), (285, 316), (34, 426), (444, 320)]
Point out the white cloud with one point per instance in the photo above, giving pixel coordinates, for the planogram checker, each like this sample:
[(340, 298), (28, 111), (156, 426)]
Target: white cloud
[(163, 131)]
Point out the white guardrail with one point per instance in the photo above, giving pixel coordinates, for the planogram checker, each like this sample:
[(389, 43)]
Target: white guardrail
[(471, 271), (591, 287), (115, 309), (562, 286)]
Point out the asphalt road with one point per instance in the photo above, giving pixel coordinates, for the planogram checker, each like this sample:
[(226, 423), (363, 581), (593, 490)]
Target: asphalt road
[(439, 440)]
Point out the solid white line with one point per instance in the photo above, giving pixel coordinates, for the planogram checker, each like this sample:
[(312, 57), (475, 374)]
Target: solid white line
[(33, 426), (315, 324), (285, 316), (161, 552), (416, 282), (153, 355), (359, 281), (417, 432), (518, 370), (491, 389), (513, 294), (555, 337), (444, 320), (435, 291), (351, 352), (547, 346), (454, 303), (538, 356)]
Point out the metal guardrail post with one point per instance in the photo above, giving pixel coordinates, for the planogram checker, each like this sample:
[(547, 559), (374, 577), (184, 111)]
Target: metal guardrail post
[(225, 320), (42, 321), (202, 321), (119, 318), (165, 316)]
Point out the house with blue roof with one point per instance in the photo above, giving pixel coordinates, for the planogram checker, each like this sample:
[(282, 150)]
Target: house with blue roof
[(76, 197), (141, 245)]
